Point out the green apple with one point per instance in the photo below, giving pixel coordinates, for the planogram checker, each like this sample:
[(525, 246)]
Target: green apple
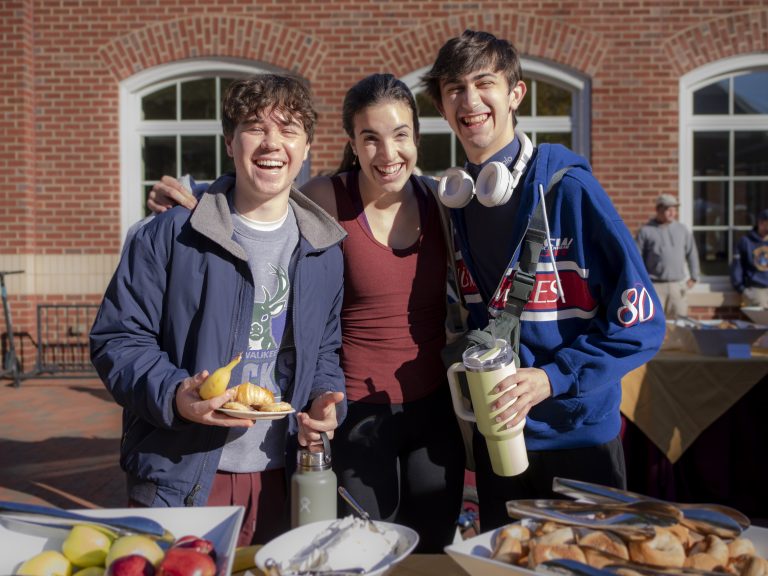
[(47, 563), (86, 545), (134, 544)]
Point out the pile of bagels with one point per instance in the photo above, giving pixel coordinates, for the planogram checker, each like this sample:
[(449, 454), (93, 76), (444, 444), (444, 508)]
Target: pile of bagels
[(528, 543)]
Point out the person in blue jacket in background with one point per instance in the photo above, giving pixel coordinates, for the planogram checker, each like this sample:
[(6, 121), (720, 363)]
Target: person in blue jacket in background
[(255, 270), (592, 315), (749, 267)]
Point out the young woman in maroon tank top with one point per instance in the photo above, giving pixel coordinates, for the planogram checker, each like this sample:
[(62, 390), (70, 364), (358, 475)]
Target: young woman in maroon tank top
[(399, 451)]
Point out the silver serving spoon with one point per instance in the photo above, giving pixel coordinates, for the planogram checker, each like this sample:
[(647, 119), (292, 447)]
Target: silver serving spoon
[(42, 517), (717, 519), (359, 509)]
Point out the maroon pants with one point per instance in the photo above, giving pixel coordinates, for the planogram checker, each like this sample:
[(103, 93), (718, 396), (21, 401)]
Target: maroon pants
[(264, 497)]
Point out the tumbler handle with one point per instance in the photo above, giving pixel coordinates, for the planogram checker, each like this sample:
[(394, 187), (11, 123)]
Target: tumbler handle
[(457, 396)]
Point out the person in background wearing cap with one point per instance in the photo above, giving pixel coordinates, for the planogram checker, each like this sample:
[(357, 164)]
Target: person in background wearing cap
[(666, 246), (749, 268)]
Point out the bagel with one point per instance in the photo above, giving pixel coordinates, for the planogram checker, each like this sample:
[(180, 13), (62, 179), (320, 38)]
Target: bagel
[(511, 543), (740, 546), (539, 553), (712, 546), (702, 561), (664, 550), (606, 541), (563, 535)]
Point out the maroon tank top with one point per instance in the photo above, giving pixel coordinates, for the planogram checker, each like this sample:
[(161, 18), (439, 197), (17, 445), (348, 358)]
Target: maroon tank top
[(393, 315)]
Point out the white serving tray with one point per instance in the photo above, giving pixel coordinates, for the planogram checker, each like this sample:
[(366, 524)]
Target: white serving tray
[(474, 554), (219, 524)]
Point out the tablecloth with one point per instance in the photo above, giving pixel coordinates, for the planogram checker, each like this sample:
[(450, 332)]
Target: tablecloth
[(677, 395)]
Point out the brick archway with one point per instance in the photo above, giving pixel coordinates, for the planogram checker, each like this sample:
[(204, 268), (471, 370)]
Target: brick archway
[(532, 35), (734, 35), (214, 36)]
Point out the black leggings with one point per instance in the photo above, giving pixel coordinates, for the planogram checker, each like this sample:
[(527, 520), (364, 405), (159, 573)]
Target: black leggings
[(603, 464), (404, 463)]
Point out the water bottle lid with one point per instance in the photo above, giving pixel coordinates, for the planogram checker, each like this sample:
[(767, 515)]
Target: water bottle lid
[(486, 357), (315, 459)]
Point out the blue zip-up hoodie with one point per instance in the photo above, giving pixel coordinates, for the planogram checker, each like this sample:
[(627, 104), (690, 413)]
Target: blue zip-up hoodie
[(749, 267), (611, 321), (179, 302)]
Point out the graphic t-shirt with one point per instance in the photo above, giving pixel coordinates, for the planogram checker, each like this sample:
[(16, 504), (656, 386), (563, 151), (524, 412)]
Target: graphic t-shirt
[(270, 360)]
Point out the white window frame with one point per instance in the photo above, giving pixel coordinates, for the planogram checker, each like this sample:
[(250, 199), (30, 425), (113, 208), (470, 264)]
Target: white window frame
[(578, 123), (132, 127), (689, 123)]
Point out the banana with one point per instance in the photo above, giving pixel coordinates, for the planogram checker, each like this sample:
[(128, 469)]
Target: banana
[(216, 383), (245, 558)]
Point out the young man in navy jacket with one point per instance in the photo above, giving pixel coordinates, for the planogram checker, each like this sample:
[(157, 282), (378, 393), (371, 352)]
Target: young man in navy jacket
[(592, 315), (255, 270)]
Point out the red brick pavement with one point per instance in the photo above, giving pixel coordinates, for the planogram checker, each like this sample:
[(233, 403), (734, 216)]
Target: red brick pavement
[(60, 444)]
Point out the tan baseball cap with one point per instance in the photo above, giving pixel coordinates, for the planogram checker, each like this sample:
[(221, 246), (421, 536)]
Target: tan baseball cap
[(667, 200)]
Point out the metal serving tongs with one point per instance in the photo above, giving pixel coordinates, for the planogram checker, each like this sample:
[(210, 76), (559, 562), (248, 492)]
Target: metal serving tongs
[(41, 519), (575, 568), (272, 568), (635, 520), (716, 519)]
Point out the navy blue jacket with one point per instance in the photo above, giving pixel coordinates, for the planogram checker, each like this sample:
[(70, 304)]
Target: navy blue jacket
[(749, 268), (179, 302), (610, 321)]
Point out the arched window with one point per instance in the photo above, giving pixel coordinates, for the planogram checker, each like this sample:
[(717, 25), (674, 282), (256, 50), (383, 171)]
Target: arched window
[(555, 109), (724, 157), (171, 124)]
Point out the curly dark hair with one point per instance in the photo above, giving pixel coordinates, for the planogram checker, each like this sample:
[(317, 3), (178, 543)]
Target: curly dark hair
[(246, 99)]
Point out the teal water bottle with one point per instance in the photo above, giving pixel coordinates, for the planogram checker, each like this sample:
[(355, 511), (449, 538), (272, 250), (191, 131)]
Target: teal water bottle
[(313, 486)]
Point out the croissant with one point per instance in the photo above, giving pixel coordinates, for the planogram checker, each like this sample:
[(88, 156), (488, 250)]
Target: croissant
[(252, 395)]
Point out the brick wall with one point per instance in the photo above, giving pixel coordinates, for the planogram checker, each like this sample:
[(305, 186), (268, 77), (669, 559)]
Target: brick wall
[(61, 63)]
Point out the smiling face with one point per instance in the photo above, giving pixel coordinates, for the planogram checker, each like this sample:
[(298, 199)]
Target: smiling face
[(385, 144), (479, 108), (268, 152)]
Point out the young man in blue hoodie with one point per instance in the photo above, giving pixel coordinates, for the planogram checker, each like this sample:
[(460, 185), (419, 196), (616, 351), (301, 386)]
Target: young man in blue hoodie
[(749, 267), (254, 271), (592, 315)]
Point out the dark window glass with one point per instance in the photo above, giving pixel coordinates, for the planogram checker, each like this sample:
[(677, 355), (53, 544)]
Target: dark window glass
[(552, 100), (713, 251), (227, 164), (198, 157), (160, 105), (198, 99), (749, 198), (147, 211), (461, 157), (526, 106), (750, 93), (710, 153), (159, 155), (426, 107), (434, 153), (563, 138), (710, 203), (711, 99), (751, 153)]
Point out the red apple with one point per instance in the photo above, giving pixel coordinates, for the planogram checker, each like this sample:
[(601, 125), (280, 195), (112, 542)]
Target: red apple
[(196, 543), (131, 565), (186, 562)]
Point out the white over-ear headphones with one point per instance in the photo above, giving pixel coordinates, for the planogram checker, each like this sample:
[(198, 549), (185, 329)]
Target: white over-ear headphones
[(495, 183)]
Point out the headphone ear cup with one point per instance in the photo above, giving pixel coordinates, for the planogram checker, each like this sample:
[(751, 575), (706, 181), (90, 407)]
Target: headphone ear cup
[(494, 185), (455, 188)]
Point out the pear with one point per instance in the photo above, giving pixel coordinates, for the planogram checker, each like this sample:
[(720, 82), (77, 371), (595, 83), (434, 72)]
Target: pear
[(87, 545), (216, 383)]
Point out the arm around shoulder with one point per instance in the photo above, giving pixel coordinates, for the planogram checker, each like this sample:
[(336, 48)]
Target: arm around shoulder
[(320, 190)]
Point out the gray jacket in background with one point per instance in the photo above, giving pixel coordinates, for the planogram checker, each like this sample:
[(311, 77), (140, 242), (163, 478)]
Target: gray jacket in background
[(666, 248)]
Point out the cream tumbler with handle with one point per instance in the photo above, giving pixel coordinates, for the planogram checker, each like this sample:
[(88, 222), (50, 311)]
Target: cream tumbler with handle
[(485, 366)]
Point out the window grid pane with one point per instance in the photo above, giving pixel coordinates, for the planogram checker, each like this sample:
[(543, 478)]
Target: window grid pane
[(730, 167)]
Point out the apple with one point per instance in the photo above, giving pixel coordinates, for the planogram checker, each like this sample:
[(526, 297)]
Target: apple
[(134, 544), (196, 543), (131, 565), (186, 562), (47, 563), (90, 571), (86, 545)]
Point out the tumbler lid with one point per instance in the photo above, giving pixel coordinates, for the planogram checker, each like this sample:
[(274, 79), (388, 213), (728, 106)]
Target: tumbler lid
[(488, 356)]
